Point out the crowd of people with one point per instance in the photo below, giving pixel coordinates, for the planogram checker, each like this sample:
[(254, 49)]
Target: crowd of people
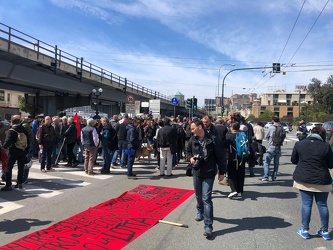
[(210, 147)]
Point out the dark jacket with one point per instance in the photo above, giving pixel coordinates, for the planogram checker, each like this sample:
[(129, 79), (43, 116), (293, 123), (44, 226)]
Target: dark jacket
[(121, 130), (221, 131), (70, 133), (167, 136), (46, 134), (11, 138), (132, 137), (109, 137), (213, 154), (211, 130), (313, 158)]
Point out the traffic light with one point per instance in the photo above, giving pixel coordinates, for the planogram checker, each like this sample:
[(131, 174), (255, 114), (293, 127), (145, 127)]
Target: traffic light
[(195, 105), (276, 68), (189, 103), (222, 110)]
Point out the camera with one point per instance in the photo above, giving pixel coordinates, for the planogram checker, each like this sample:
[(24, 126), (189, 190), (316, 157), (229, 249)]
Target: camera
[(198, 158)]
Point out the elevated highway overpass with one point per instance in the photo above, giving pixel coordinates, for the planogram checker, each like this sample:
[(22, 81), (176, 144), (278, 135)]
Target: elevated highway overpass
[(54, 80)]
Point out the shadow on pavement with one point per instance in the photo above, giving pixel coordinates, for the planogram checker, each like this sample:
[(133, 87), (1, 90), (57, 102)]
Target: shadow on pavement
[(20, 225), (250, 224)]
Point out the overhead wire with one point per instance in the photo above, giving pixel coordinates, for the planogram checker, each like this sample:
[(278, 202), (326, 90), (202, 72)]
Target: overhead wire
[(298, 46), (299, 13), (308, 32)]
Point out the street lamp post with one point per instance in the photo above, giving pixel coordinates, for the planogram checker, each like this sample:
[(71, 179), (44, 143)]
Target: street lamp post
[(96, 93), (227, 75), (218, 80)]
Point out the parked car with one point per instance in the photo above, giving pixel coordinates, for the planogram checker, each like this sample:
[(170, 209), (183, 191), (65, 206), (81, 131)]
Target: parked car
[(328, 127), (286, 127), (268, 124), (311, 125)]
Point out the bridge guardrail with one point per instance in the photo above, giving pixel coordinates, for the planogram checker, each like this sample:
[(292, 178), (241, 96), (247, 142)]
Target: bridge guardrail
[(58, 57)]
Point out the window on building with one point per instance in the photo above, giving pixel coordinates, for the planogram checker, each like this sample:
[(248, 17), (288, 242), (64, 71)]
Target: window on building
[(276, 96), (290, 114), (269, 102), (276, 109), (2, 95), (19, 97), (289, 96), (8, 97), (290, 109)]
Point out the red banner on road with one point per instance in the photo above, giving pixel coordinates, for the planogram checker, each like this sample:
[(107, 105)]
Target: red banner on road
[(110, 225)]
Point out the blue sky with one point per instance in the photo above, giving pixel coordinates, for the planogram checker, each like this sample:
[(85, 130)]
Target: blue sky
[(182, 45)]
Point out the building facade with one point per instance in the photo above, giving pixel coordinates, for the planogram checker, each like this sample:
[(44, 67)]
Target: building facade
[(282, 103)]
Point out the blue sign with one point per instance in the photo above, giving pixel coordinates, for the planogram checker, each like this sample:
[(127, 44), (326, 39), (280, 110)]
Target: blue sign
[(174, 100)]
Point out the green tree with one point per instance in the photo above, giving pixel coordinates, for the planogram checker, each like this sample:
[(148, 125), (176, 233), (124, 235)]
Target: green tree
[(322, 95), (267, 114), (24, 106)]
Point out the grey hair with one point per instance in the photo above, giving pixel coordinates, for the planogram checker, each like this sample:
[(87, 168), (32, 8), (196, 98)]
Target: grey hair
[(91, 121)]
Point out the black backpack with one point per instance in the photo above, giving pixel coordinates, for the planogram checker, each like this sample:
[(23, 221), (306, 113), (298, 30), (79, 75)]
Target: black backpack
[(279, 136)]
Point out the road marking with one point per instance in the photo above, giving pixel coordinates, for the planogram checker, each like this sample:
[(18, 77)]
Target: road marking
[(38, 191), (8, 206)]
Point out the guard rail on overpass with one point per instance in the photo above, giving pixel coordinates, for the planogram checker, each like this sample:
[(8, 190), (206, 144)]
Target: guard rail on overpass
[(52, 59)]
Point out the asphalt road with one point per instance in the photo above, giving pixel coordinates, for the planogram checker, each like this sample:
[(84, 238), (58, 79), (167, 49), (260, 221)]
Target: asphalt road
[(266, 217)]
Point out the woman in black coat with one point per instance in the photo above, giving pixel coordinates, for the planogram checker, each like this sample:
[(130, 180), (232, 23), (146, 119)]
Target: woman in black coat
[(314, 158)]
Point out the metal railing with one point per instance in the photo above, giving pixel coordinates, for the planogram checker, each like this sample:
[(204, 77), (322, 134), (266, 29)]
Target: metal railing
[(83, 68)]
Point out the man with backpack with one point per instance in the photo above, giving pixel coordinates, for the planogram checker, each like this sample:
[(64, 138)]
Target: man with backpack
[(16, 142), (275, 136)]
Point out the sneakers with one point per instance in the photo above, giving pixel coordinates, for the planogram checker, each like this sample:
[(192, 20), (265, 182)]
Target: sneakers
[(6, 188), (303, 234), (232, 194), (208, 232), (325, 235), (19, 186), (43, 170), (239, 195), (132, 177), (264, 179)]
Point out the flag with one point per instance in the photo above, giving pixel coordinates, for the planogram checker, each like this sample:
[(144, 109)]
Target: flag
[(78, 125)]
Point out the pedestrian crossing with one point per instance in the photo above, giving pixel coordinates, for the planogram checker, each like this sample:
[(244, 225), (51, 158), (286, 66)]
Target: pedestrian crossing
[(47, 185), (52, 183)]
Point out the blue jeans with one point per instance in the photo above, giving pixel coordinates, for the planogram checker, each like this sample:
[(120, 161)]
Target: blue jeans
[(272, 152), (130, 162), (114, 157), (321, 201), (122, 145), (203, 194)]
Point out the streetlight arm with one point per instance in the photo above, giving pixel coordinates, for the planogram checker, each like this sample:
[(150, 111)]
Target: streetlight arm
[(222, 97)]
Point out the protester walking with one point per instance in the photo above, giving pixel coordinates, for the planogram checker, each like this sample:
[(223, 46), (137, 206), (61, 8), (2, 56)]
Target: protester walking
[(207, 156), (314, 158)]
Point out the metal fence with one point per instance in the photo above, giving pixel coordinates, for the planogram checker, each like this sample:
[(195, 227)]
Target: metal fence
[(59, 56)]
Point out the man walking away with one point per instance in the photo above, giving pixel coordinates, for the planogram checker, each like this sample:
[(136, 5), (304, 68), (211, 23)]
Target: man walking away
[(274, 148)]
